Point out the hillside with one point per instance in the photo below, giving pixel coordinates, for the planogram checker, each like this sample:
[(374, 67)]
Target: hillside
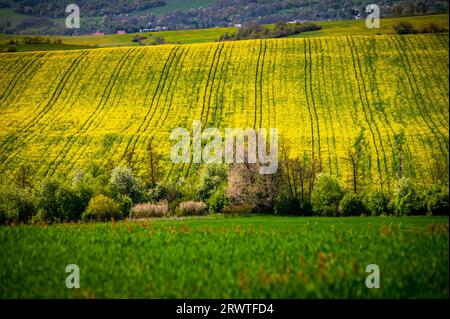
[(329, 28), (61, 110)]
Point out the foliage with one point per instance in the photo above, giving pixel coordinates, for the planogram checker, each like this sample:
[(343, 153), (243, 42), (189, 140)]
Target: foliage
[(217, 201), (57, 202), (326, 196), (102, 208), (437, 201), (192, 208), (125, 205), (352, 205), (280, 30), (149, 210), (407, 200), (157, 193), (16, 205), (404, 28), (213, 179), (237, 210), (124, 183), (378, 203)]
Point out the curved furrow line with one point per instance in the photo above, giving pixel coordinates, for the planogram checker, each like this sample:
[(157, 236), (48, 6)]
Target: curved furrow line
[(423, 72), (307, 102), (150, 78), (64, 104), (417, 92), (219, 97), (360, 94), (158, 122), (209, 85), (10, 67), (27, 67), (176, 119), (402, 87), (257, 82), (442, 68), (88, 122), (168, 102), (159, 88), (371, 71), (220, 87), (212, 83), (114, 103), (313, 103), (432, 127), (45, 109), (261, 84), (334, 93), (197, 99), (327, 104), (213, 64)]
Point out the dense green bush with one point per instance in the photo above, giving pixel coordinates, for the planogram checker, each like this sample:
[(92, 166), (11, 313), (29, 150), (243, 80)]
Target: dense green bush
[(437, 201), (124, 182), (16, 205), (288, 206), (156, 194), (326, 196), (433, 28), (378, 203), (57, 202), (407, 200), (102, 208), (213, 178), (404, 28), (352, 205), (217, 201), (125, 205)]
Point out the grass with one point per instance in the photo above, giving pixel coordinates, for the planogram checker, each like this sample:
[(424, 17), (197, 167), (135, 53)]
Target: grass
[(173, 5), (8, 14), (248, 257), (329, 28), (358, 27), (45, 47)]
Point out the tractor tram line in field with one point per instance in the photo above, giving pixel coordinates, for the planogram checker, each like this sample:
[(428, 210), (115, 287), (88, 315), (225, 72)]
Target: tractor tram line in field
[(48, 106), (52, 116), (114, 104), (324, 95), (90, 120), (152, 108)]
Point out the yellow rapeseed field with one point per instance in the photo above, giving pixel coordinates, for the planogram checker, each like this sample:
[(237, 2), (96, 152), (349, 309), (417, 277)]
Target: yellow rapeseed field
[(384, 97)]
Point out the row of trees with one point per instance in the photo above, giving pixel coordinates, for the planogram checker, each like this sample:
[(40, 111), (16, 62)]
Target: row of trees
[(281, 29), (118, 15), (298, 188)]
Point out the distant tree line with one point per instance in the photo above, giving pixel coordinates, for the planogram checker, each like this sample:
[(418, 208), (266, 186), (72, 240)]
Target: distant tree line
[(299, 187), (111, 16), (56, 9), (281, 29)]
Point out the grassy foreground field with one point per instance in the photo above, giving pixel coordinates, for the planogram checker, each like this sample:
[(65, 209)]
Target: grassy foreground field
[(253, 257), (388, 95)]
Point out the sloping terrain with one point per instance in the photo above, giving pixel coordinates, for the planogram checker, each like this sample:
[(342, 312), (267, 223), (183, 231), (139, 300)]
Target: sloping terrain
[(387, 96)]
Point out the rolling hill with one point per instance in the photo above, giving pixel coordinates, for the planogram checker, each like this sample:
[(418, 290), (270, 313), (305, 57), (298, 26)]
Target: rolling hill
[(388, 96)]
